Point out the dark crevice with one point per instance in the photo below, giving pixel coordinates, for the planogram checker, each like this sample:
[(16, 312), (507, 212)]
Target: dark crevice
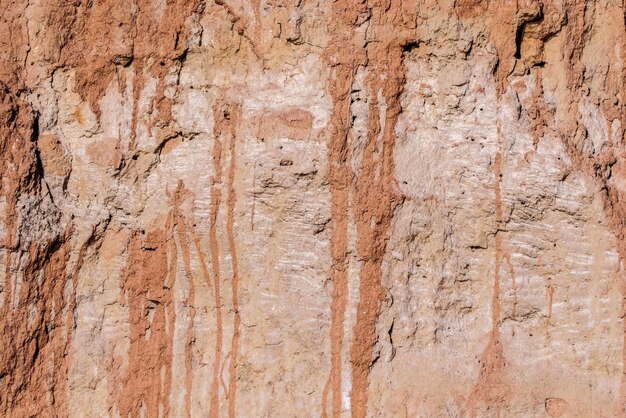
[(519, 34), (410, 46), (521, 30)]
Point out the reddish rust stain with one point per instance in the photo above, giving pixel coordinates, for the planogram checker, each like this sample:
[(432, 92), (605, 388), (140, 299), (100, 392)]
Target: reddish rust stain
[(94, 24), (82, 41), (230, 230), (225, 117), (550, 301), (253, 206), (145, 289), (340, 85), (189, 339), (297, 118), (138, 84), (181, 226), (375, 199), (201, 257), (507, 257), (519, 86), (220, 117), (490, 388), (570, 18)]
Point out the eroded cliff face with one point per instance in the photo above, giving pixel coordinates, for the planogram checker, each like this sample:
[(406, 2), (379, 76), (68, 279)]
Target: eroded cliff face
[(288, 208)]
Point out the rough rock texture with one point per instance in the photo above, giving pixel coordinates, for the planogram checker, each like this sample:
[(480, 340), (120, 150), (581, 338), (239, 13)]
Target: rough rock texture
[(312, 208)]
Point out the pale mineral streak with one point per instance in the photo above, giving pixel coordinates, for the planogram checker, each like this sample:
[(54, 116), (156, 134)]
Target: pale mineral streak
[(312, 208)]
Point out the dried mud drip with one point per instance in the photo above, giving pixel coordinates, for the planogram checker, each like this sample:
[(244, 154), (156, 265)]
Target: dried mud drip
[(343, 66), (230, 228), (146, 290), (225, 119), (490, 387), (539, 22), (182, 228), (220, 115), (372, 186), (133, 24)]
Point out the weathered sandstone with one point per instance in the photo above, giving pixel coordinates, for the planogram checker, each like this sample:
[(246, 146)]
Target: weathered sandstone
[(312, 208)]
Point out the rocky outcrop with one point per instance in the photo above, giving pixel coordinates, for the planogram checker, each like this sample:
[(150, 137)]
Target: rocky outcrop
[(312, 208)]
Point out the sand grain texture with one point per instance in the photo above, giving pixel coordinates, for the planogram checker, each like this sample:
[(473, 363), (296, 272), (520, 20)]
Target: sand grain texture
[(333, 208)]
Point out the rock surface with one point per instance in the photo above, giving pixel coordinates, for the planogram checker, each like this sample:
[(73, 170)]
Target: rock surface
[(312, 208)]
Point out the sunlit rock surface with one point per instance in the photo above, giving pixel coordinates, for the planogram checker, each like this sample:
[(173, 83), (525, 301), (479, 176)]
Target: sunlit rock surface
[(297, 208)]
